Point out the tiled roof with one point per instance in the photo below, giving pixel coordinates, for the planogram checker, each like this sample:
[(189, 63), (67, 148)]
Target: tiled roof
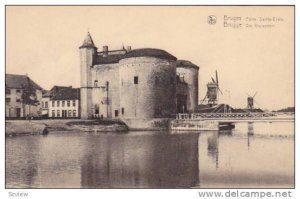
[(19, 81), (186, 64), (67, 94)]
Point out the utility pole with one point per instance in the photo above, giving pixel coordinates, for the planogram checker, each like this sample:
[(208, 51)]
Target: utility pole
[(107, 101)]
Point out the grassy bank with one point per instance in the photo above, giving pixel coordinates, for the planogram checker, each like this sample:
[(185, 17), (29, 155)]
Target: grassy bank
[(34, 127)]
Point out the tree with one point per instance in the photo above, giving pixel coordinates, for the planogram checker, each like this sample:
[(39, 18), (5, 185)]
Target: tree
[(29, 95)]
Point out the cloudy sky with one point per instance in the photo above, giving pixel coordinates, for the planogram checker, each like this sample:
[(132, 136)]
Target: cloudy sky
[(43, 42)]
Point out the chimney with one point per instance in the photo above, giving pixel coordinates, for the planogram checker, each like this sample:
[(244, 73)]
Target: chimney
[(128, 48), (105, 51)]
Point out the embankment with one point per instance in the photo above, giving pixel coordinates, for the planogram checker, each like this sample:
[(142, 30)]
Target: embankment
[(38, 127)]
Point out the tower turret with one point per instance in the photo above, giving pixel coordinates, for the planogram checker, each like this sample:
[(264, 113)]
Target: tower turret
[(88, 53)]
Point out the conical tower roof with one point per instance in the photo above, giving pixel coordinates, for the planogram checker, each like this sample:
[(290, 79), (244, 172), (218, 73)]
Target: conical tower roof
[(88, 42)]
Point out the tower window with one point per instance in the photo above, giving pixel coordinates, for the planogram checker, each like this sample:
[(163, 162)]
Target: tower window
[(136, 79), (96, 83), (116, 113), (122, 110)]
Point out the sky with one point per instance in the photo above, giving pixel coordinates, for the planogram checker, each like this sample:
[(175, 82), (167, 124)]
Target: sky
[(43, 41)]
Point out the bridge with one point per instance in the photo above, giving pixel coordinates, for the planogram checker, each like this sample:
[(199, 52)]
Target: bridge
[(236, 117)]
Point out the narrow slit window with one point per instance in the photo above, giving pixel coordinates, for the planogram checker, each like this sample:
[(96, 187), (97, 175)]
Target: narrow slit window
[(136, 79)]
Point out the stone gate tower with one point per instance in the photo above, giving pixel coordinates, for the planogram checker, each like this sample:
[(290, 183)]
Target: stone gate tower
[(87, 58)]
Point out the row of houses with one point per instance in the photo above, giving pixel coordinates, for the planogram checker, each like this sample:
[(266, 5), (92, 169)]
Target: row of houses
[(26, 99)]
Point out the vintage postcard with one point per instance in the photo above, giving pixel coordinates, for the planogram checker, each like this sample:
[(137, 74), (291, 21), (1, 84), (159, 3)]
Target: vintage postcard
[(149, 97)]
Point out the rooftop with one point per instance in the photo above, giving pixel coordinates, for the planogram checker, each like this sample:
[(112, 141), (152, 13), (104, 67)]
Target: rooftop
[(88, 42), (142, 52), (186, 64), (54, 90), (150, 52), (67, 93), (20, 81)]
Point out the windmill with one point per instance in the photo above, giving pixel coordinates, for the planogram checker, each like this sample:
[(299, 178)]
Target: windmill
[(213, 90), (251, 101)]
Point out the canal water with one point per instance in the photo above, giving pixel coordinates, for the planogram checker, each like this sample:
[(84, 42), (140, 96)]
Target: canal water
[(253, 155)]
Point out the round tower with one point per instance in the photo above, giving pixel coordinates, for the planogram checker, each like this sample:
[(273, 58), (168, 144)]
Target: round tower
[(88, 52), (190, 73), (147, 84)]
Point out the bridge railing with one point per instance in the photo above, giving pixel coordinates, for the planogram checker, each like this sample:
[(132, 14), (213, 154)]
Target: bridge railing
[(185, 116)]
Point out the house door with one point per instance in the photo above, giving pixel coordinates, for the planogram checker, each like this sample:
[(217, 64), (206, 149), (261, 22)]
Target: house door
[(18, 112)]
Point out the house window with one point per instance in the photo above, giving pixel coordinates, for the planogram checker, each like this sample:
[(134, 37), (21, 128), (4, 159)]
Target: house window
[(58, 113), (53, 113), (69, 113), (74, 113), (18, 100), (53, 103), (42, 104), (116, 113), (18, 91), (63, 103), (58, 103), (7, 100), (136, 79), (96, 83), (7, 91), (68, 103), (74, 103), (123, 111), (46, 104)]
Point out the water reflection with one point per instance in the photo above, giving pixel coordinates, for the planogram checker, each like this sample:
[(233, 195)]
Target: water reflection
[(230, 162), (250, 133), (212, 147), (249, 156), (27, 176), (156, 161)]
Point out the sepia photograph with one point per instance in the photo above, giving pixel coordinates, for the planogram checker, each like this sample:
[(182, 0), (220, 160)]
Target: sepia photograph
[(149, 97)]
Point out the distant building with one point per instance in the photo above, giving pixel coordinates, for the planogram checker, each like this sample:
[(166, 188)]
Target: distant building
[(22, 97), (61, 102), (138, 83), (45, 103)]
